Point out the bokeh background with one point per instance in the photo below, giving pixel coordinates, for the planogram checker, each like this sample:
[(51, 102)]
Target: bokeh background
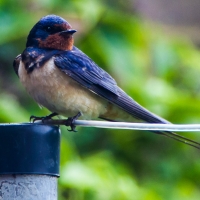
[(151, 48)]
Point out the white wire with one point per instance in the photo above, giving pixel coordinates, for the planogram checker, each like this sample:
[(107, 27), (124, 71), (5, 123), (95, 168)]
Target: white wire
[(139, 126), (128, 125)]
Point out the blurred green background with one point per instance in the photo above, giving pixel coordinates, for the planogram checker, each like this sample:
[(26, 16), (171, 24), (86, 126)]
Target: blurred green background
[(158, 68)]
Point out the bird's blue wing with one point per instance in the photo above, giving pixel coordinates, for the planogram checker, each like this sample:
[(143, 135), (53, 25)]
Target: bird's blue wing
[(82, 69)]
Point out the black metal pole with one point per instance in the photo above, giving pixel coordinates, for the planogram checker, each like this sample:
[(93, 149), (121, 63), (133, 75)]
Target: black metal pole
[(29, 161)]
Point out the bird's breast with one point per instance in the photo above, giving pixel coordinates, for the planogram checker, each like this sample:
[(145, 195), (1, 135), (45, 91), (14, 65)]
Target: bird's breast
[(56, 91)]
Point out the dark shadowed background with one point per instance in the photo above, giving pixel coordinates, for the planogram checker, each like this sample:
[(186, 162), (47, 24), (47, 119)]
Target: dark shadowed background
[(151, 49)]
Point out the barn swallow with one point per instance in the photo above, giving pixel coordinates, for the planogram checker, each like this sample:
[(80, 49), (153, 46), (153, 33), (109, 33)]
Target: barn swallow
[(60, 77)]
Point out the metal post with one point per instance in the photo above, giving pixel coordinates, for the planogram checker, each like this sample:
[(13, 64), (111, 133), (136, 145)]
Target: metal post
[(29, 161)]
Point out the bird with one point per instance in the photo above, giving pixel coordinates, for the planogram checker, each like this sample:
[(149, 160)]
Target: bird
[(60, 77)]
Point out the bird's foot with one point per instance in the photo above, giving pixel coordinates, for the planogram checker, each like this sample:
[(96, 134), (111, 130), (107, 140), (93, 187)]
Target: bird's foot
[(70, 122), (34, 118)]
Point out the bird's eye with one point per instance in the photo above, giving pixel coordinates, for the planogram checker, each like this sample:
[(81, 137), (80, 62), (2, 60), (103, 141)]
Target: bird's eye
[(49, 28)]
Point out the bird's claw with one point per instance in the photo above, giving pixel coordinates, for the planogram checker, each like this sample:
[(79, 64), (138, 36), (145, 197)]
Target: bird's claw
[(70, 122), (34, 118)]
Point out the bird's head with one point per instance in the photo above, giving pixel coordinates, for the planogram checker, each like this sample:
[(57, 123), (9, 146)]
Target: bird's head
[(51, 32)]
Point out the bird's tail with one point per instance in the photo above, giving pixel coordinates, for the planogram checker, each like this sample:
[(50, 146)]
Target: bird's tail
[(170, 134), (181, 139)]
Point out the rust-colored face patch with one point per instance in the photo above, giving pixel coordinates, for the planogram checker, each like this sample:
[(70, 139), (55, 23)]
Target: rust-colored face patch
[(57, 41)]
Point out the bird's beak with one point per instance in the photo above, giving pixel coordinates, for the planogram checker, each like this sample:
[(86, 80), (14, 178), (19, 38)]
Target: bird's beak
[(69, 31)]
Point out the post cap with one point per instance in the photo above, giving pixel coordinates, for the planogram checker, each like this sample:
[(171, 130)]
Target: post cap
[(29, 149)]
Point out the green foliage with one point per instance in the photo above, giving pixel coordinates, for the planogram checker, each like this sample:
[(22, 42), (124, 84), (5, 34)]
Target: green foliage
[(159, 71)]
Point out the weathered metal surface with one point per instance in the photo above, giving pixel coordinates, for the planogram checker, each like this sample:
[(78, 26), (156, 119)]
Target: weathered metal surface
[(28, 187)]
